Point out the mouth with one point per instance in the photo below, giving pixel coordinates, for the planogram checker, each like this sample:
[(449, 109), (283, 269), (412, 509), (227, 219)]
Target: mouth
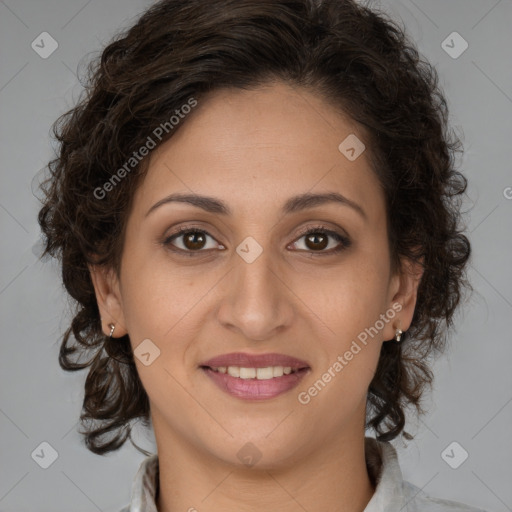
[(255, 377)]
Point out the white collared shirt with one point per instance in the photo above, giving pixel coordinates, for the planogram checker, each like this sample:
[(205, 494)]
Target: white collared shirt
[(392, 493)]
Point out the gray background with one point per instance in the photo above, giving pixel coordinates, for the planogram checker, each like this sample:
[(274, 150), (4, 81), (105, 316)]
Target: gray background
[(471, 402)]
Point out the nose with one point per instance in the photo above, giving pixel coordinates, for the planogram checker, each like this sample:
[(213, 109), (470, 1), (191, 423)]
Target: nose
[(256, 302)]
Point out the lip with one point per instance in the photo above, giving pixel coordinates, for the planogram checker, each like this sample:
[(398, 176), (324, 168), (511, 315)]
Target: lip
[(255, 360), (255, 389)]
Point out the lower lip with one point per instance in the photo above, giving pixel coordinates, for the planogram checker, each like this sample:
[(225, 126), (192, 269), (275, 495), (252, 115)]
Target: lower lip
[(255, 389)]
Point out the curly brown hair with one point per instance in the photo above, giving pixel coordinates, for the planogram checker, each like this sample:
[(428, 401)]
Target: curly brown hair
[(357, 59)]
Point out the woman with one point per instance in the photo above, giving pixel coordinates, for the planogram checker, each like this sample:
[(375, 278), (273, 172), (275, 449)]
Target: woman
[(257, 213)]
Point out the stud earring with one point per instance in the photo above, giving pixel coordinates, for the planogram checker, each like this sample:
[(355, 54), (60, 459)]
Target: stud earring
[(398, 334), (112, 327)]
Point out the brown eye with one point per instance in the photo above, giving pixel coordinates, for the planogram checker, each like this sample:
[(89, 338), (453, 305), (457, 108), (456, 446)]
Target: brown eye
[(316, 240), (189, 240), (194, 240)]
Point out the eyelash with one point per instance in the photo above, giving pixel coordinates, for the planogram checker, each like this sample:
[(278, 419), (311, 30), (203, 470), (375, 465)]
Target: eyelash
[(344, 241)]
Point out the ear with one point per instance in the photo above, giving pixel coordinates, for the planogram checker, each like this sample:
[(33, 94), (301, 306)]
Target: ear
[(403, 296), (108, 297)]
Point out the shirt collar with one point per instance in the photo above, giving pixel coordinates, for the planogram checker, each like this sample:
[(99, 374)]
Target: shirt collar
[(145, 485), (381, 461), (384, 470)]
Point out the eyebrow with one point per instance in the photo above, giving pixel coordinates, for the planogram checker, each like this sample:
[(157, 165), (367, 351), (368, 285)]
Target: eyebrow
[(292, 205)]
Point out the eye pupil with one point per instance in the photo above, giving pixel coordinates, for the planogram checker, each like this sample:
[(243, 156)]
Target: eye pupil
[(191, 237), (313, 237)]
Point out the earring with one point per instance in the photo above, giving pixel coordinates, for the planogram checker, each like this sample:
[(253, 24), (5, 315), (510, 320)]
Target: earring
[(112, 327), (398, 334)]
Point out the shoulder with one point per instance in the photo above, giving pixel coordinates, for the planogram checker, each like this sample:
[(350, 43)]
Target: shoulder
[(419, 501)]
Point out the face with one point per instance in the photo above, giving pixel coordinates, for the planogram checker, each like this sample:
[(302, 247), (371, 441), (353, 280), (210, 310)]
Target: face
[(248, 280)]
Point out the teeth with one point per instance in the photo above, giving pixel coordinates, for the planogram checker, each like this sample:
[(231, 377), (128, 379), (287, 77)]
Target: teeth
[(278, 371), (255, 373), (247, 373), (265, 373), (234, 371)]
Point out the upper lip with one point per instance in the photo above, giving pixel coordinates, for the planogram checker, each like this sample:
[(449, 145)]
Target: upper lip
[(244, 360)]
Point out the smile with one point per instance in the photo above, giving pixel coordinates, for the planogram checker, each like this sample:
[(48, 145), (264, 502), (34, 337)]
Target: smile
[(256, 373), (255, 383)]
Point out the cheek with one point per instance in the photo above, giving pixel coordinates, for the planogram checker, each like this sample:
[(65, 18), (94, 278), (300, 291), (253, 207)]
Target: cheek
[(141, 299), (348, 304), (349, 343), (158, 295), (347, 298)]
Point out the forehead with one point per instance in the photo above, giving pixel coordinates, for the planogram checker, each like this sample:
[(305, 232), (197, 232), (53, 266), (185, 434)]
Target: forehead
[(255, 148)]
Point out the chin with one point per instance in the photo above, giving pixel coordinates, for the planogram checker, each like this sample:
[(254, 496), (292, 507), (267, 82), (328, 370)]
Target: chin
[(258, 451)]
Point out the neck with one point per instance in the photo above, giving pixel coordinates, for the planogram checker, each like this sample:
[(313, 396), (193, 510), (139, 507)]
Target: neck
[(332, 476)]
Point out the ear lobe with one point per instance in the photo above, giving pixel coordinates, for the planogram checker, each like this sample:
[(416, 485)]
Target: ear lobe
[(108, 297)]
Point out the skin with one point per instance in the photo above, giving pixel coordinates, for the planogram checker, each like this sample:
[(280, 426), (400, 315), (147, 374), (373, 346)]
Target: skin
[(253, 150)]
